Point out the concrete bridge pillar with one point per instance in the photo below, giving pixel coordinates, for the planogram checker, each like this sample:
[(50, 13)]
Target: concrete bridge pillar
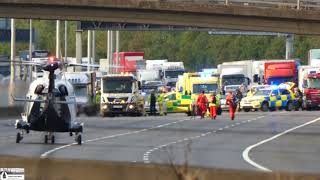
[(58, 39), (30, 49), (65, 41), (117, 50), (93, 46), (289, 46), (13, 49), (78, 46), (89, 48)]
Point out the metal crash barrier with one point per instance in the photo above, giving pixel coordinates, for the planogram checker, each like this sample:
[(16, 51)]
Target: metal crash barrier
[(292, 4)]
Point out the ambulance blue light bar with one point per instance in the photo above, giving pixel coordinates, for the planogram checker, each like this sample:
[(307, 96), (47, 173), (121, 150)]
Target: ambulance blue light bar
[(205, 74)]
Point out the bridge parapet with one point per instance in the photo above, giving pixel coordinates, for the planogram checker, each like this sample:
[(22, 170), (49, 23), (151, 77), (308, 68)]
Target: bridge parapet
[(254, 15), (291, 4)]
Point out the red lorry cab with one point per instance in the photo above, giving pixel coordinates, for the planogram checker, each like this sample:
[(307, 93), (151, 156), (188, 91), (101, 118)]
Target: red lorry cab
[(311, 90), (276, 73), (128, 61)]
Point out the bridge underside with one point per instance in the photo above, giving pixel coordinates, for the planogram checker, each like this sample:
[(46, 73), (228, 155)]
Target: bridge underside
[(221, 17)]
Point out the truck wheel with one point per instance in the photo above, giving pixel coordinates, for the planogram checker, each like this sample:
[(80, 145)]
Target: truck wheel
[(265, 107), (189, 113), (138, 114), (18, 137), (290, 106), (305, 107), (103, 115)]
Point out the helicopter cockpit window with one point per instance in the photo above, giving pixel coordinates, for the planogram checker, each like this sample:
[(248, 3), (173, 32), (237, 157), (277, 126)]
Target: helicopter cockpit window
[(63, 90), (39, 89)]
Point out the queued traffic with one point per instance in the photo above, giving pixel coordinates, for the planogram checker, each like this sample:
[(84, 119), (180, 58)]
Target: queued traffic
[(139, 87)]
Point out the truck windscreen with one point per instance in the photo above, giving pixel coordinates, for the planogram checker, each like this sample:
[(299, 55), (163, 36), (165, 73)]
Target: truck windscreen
[(80, 90), (173, 74), (233, 80), (313, 83), (207, 88), (117, 86), (279, 80)]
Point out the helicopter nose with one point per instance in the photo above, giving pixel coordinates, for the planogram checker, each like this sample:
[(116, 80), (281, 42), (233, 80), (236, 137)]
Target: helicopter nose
[(51, 67)]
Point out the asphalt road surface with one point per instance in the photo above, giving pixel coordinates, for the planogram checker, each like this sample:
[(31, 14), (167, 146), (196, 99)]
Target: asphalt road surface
[(272, 141)]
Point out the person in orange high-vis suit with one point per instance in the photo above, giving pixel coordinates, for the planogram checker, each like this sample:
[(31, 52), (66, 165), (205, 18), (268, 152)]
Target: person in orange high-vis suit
[(202, 102), (230, 100), (213, 106)]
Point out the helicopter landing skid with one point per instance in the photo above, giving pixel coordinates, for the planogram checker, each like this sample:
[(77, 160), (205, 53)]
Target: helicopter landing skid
[(24, 128)]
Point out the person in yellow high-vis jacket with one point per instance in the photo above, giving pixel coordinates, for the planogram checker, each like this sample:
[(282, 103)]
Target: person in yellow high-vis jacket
[(160, 102), (213, 105)]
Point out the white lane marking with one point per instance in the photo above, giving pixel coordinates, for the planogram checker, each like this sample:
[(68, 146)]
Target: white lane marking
[(245, 153), (146, 155), (45, 154)]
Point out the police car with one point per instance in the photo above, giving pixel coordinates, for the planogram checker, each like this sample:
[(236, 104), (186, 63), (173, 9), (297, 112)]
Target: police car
[(269, 99)]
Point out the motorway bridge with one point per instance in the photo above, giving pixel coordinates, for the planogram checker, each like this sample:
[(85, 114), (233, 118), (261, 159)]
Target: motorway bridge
[(288, 16)]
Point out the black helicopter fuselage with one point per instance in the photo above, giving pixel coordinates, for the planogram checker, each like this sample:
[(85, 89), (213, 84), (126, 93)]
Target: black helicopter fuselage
[(50, 116)]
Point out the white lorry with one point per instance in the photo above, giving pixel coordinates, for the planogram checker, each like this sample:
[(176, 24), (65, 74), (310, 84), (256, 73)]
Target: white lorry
[(155, 64), (251, 71), (167, 72), (234, 75), (170, 73), (120, 95), (314, 57), (84, 88), (152, 73), (255, 69), (144, 76)]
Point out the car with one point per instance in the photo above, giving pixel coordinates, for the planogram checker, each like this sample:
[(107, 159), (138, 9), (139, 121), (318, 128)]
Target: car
[(255, 88), (269, 99), (223, 103)]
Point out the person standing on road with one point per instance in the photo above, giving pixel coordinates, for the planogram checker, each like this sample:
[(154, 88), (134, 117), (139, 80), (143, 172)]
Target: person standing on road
[(97, 100), (239, 96), (160, 102), (298, 98), (152, 102), (213, 106), (230, 100), (140, 104), (202, 102)]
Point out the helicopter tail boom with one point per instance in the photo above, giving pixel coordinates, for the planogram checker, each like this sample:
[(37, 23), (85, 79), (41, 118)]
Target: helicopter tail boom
[(43, 101)]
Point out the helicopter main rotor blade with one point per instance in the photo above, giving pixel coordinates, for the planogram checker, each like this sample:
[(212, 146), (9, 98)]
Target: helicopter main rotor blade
[(64, 102), (43, 101), (22, 62), (28, 100), (91, 65)]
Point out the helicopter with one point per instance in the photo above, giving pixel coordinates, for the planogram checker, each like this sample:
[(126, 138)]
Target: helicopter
[(50, 106)]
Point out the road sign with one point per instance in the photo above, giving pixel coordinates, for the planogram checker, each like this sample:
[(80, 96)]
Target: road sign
[(85, 25), (22, 35)]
